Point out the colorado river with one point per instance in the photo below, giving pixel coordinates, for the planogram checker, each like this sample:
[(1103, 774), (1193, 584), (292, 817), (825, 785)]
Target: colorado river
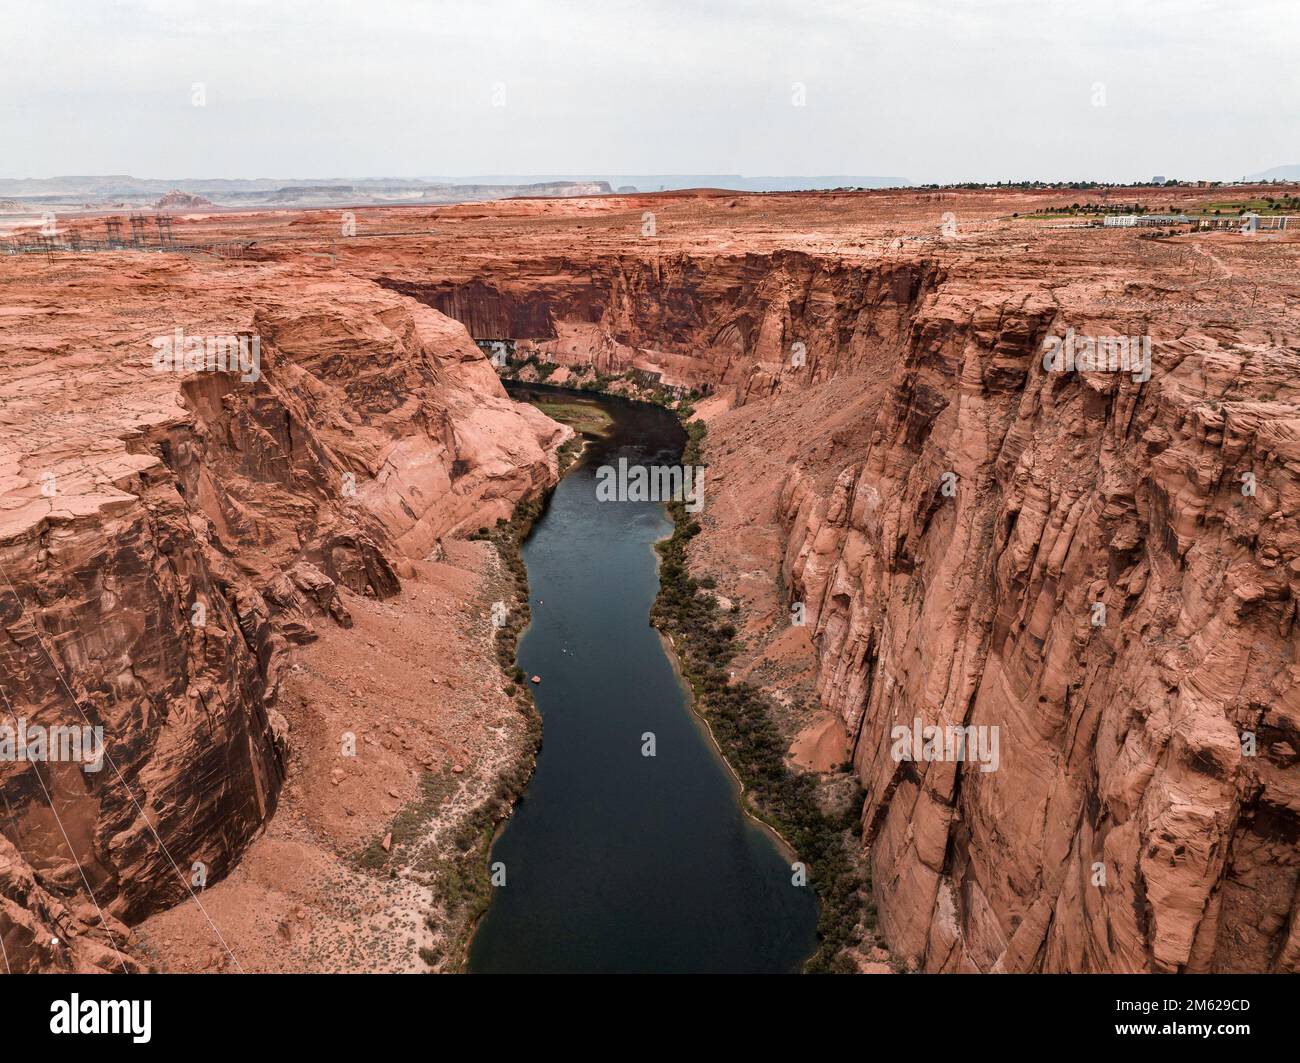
[(616, 861)]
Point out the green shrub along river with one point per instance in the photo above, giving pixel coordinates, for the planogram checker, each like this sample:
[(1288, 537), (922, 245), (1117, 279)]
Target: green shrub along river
[(633, 848)]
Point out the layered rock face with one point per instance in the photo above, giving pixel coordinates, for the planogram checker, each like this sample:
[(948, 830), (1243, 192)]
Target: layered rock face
[(1097, 573), (166, 536), (1104, 574), (739, 322), (1096, 569)]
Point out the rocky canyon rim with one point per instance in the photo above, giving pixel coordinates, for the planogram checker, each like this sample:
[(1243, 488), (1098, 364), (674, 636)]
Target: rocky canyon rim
[(1121, 745)]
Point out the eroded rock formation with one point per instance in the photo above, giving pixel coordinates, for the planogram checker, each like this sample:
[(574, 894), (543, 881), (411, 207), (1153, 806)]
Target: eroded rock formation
[(738, 322), (1112, 585), (166, 535), (1069, 558)]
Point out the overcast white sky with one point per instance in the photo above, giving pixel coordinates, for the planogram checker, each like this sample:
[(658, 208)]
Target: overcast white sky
[(931, 90)]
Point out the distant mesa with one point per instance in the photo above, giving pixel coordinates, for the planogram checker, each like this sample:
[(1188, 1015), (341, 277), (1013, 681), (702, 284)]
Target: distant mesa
[(178, 200), (291, 194), (454, 193), (58, 194), (123, 192), (1277, 173)]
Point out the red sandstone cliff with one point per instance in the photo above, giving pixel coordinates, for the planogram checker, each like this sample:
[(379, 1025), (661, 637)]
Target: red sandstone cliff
[(1144, 813), (166, 537), (1124, 829), (716, 321)]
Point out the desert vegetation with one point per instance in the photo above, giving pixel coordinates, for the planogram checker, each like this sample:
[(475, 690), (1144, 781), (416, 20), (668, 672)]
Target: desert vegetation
[(740, 718)]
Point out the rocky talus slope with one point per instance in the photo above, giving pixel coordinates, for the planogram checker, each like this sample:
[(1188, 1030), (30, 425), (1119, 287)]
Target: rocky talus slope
[(166, 539)]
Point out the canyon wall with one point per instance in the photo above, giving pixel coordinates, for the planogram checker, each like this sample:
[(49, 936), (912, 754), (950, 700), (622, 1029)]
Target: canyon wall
[(165, 538), (740, 322), (1100, 571), (1144, 811), (1093, 584)]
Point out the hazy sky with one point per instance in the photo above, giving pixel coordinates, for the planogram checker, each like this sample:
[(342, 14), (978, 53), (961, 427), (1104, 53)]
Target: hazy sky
[(931, 90)]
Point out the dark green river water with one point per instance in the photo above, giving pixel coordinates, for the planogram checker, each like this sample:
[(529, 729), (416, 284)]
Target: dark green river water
[(615, 861)]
